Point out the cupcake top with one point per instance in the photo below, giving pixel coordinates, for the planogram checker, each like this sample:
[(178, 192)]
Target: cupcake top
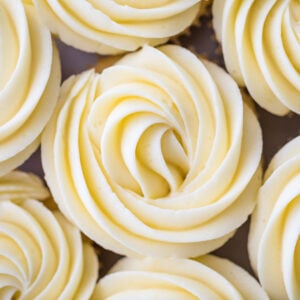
[(110, 27), (155, 156), (208, 277), (261, 45), (43, 256), (274, 232), (29, 82)]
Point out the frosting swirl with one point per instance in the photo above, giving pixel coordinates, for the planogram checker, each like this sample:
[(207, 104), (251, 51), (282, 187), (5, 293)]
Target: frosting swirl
[(274, 233), (42, 256), (110, 27), (208, 277), (261, 45), (19, 186), (155, 156), (29, 82)]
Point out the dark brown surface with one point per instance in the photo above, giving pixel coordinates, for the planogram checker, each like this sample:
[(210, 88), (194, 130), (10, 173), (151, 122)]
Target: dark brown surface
[(276, 130)]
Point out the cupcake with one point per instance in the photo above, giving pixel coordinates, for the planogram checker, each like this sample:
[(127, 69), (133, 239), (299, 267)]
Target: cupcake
[(261, 45), (111, 27), (208, 277), (155, 156), (43, 256), (274, 231), (29, 82)]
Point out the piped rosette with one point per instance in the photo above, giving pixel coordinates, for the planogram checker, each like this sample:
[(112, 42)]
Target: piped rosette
[(208, 277), (261, 45), (274, 244), (157, 155), (29, 81), (42, 255), (110, 27)]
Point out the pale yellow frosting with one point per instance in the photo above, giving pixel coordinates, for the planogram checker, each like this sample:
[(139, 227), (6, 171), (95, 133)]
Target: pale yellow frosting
[(42, 256), (261, 46), (19, 186), (208, 277), (114, 26), (274, 243), (29, 82), (155, 156)]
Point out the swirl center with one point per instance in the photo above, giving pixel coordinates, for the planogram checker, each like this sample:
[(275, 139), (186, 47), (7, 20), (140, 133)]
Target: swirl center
[(144, 154)]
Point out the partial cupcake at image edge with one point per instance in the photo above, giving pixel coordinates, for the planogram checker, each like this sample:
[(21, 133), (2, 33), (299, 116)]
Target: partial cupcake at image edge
[(156, 156), (43, 256), (112, 27), (274, 230), (208, 277), (29, 82), (261, 44)]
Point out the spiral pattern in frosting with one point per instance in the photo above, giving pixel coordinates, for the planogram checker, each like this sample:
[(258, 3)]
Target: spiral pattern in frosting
[(261, 46), (155, 156), (29, 82), (42, 256), (208, 277), (110, 27), (274, 243)]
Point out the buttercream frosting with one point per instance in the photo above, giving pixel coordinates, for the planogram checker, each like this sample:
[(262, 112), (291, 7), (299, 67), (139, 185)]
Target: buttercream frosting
[(157, 155), (42, 256), (29, 82), (110, 27), (274, 232), (208, 277), (261, 46)]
